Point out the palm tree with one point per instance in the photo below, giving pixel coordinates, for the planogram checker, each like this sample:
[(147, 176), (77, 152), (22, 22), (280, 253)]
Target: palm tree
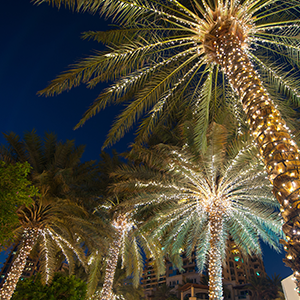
[(274, 286), (52, 225), (127, 244), (169, 50), (202, 200), (55, 221)]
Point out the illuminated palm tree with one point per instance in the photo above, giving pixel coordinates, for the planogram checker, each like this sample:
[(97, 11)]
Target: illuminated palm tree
[(202, 200), (168, 51), (127, 244), (52, 225), (127, 239), (55, 221)]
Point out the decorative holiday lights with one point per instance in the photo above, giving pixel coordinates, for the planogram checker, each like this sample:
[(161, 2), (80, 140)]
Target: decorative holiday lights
[(222, 33), (278, 151), (208, 199), (123, 225), (215, 257), (18, 265)]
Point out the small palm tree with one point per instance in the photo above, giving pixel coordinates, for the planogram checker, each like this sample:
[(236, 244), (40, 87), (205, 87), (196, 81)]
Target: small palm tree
[(259, 288), (202, 200), (127, 244), (168, 51), (127, 239)]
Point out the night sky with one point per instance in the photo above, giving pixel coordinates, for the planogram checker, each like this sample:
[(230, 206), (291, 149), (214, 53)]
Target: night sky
[(38, 43)]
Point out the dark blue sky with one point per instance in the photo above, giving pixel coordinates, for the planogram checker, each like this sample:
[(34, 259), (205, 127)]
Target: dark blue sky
[(38, 43)]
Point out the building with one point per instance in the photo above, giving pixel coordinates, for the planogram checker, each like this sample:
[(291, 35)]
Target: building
[(240, 268), (237, 271)]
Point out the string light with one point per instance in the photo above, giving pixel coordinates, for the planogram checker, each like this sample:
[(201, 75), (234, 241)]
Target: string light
[(30, 236), (123, 225), (205, 195)]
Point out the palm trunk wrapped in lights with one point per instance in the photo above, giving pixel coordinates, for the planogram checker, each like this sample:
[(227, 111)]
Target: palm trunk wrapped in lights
[(280, 154), (121, 225), (215, 259), (18, 266)]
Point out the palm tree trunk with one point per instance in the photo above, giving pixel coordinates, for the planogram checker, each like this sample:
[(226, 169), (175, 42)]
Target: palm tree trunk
[(215, 259), (121, 225), (278, 151), (111, 265), (18, 266)]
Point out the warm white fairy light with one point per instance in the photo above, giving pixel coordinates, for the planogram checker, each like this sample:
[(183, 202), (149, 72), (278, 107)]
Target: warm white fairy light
[(224, 33), (58, 238), (42, 232), (123, 225), (19, 263), (98, 295), (211, 194)]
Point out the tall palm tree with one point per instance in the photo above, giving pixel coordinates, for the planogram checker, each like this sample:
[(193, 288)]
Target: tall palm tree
[(202, 200), (55, 221), (169, 50)]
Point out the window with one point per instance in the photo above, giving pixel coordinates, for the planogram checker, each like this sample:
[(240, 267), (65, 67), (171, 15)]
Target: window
[(231, 264)]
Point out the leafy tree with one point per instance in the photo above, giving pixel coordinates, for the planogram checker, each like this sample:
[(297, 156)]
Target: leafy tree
[(54, 222), (199, 200), (15, 190), (61, 288), (170, 51)]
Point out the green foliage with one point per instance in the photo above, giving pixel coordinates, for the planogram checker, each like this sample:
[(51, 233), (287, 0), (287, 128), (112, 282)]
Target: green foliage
[(15, 190), (61, 288)]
